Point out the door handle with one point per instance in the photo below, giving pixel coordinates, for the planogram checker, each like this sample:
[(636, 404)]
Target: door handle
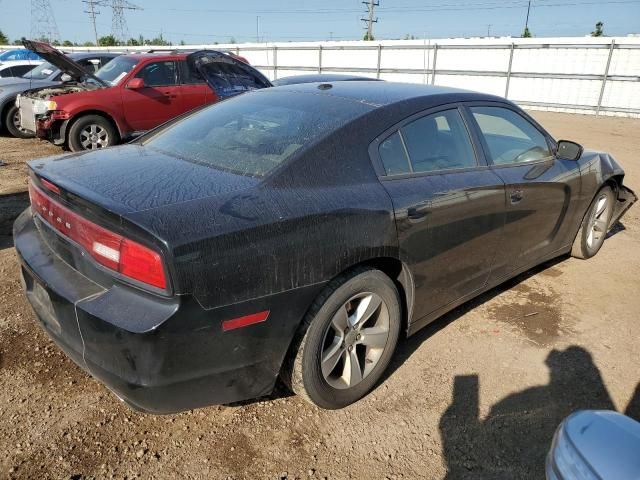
[(416, 214), (516, 196)]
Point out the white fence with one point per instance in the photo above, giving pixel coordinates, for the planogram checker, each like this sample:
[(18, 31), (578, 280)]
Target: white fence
[(582, 74)]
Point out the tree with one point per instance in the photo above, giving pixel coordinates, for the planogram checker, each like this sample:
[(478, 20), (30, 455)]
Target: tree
[(4, 40), (67, 43), (368, 37), (409, 37), (232, 40), (526, 33), (107, 41), (599, 31), (132, 42), (88, 44)]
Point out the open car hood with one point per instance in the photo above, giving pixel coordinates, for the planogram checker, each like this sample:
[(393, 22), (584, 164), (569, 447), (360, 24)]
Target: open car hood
[(60, 60), (225, 74)]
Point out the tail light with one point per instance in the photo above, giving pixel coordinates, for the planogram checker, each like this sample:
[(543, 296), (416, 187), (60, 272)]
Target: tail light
[(109, 249)]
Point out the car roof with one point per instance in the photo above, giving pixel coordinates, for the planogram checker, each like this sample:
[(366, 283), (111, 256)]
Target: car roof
[(319, 77), (81, 55), (378, 94), (159, 55)]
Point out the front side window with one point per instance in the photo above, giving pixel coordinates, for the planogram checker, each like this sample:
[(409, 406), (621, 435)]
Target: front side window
[(439, 141), (510, 137), (91, 65), (159, 74)]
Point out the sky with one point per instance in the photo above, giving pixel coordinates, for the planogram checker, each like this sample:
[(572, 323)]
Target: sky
[(214, 21)]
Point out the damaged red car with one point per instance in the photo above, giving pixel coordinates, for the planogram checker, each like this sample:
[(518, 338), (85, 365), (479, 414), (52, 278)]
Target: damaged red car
[(130, 95)]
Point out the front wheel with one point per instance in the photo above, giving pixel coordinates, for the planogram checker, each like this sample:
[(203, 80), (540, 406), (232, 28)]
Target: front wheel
[(92, 132), (12, 121), (346, 340), (595, 225)]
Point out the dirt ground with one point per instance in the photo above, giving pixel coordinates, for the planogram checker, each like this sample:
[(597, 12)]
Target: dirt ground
[(478, 394)]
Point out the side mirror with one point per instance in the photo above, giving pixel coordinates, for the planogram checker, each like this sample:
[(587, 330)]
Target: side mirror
[(568, 150), (64, 78), (135, 83)]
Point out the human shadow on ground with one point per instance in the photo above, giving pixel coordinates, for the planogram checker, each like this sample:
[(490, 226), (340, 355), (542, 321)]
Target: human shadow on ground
[(513, 439)]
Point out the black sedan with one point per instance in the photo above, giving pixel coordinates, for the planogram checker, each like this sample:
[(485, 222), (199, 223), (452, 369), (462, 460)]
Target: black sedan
[(297, 232)]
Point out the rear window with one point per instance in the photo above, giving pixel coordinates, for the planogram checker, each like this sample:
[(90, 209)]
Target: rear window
[(253, 133)]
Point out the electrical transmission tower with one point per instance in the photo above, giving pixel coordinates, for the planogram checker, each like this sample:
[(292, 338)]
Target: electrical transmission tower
[(43, 23), (118, 23), (369, 20)]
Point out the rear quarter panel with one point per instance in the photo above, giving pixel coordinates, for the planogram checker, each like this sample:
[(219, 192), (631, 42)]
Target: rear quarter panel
[(319, 215)]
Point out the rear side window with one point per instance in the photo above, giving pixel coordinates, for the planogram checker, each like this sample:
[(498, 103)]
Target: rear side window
[(510, 137), (187, 76), (158, 74), (439, 141), (253, 133), (393, 155)]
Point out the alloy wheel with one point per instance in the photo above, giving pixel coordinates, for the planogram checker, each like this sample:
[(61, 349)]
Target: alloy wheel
[(355, 340), (599, 221), (16, 122), (94, 136)]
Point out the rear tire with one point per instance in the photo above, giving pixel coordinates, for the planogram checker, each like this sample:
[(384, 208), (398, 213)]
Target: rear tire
[(92, 132), (346, 340), (11, 120), (595, 225)]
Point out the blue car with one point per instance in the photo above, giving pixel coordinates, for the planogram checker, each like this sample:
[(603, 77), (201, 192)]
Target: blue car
[(595, 445), (18, 54)]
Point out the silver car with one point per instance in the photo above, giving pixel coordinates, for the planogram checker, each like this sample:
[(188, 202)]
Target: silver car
[(44, 75)]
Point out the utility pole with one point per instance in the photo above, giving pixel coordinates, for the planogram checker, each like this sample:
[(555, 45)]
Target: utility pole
[(526, 22), (488, 30), (43, 23), (257, 29), (370, 21), (91, 10)]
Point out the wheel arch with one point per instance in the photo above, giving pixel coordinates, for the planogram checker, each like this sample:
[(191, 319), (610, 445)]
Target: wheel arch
[(4, 109), (84, 113)]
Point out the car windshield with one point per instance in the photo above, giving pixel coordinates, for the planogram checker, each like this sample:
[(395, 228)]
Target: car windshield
[(253, 133), (41, 72), (116, 69)]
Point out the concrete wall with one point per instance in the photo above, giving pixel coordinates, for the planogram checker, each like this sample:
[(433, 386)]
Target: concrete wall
[(581, 74)]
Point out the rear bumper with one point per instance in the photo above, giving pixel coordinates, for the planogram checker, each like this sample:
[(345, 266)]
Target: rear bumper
[(158, 355)]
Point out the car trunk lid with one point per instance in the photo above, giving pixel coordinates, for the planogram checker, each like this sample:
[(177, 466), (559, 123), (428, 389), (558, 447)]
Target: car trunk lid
[(131, 178)]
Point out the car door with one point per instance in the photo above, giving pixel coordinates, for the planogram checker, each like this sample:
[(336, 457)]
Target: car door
[(157, 101), (541, 189), (226, 75), (194, 90), (449, 206)]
